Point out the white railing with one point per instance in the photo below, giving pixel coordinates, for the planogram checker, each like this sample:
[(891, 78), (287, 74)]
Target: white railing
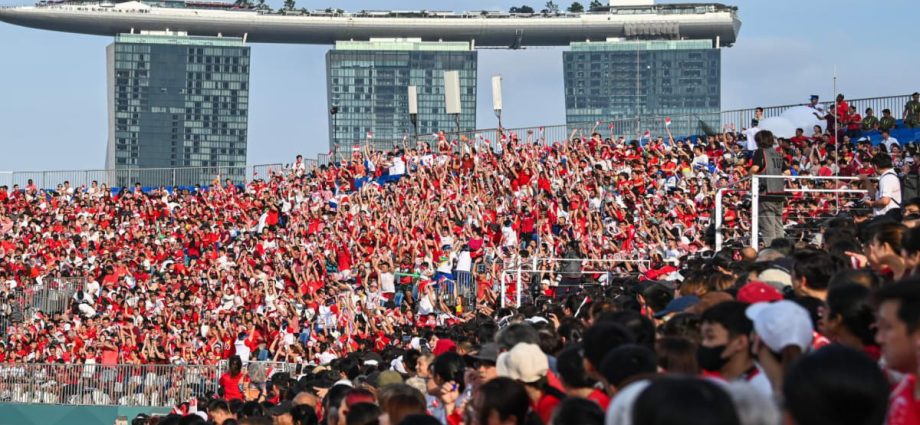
[(545, 265), (755, 198)]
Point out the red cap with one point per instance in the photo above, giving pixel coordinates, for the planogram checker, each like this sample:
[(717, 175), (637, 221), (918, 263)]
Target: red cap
[(757, 292), (444, 346)]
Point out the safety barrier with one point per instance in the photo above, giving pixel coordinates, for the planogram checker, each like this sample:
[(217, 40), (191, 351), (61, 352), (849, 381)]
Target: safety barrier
[(105, 385), (147, 177), (600, 271), (842, 197), (48, 295), (261, 371), (460, 291)]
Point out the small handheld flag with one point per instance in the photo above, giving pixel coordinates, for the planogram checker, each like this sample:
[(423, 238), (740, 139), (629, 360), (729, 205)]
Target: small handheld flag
[(667, 122)]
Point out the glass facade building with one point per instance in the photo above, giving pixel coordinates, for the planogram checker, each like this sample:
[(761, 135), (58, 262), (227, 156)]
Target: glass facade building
[(650, 79), (178, 101), (367, 81)]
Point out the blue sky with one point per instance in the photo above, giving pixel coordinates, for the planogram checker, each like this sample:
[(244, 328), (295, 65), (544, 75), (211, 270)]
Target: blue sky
[(52, 85)]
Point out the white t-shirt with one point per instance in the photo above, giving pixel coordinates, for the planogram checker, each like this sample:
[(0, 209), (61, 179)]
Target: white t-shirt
[(242, 350), (889, 142), (888, 186), (387, 283), (751, 144), (464, 261)]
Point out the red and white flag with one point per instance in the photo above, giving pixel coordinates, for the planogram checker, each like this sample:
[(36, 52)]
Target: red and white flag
[(647, 135), (370, 134), (667, 122), (611, 126)]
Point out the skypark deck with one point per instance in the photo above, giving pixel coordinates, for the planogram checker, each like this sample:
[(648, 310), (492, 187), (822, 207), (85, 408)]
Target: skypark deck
[(483, 28)]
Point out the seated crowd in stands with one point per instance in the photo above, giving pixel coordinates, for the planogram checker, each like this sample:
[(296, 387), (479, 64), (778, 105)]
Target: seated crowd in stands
[(384, 276)]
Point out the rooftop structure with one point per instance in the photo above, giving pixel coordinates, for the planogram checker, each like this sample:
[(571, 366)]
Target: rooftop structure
[(713, 21)]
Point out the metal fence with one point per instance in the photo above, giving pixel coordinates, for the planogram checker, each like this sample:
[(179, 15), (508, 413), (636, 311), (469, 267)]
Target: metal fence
[(147, 177), (261, 371), (49, 295), (105, 385), (526, 275)]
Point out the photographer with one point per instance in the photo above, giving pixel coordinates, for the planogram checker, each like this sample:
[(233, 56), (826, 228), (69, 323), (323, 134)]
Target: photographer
[(886, 196)]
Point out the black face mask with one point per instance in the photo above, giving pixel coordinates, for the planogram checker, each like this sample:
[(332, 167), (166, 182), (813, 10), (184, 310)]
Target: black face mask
[(710, 358)]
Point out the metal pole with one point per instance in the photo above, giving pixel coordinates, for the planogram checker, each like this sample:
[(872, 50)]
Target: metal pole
[(501, 295), (837, 142), (518, 287), (755, 209), (718, 228)]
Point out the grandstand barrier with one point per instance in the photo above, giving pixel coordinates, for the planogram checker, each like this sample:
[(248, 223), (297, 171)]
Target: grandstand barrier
[(754, 190), (49, 295), (105, 385), (453, 293), (261, 371), (602, 274)]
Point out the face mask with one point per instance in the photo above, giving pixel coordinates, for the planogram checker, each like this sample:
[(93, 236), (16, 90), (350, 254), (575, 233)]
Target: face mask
[(710, 358)]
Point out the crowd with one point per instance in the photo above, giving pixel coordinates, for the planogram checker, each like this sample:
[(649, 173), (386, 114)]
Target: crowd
[(385, 277)]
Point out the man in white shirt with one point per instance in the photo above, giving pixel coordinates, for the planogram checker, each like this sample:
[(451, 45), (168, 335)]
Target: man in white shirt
[(887, 198), (889, 141)]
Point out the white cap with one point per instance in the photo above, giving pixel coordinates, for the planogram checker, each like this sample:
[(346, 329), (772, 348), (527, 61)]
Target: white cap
[(781, 324), (525, 362)]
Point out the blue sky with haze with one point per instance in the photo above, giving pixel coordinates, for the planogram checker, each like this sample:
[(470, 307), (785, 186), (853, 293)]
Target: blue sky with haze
[(53, 99)]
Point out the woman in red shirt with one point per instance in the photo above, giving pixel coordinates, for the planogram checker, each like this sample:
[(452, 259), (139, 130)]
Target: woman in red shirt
[(231, 382)]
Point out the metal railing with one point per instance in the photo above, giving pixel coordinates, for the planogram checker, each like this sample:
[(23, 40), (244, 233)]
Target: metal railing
[(105, 385), (738, 119), (261, 371), (755, 200), (525, 269), (147, 177)]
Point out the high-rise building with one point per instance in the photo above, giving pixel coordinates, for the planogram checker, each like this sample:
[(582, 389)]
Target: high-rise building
[(367, 83), (178, 101), (612, 80)]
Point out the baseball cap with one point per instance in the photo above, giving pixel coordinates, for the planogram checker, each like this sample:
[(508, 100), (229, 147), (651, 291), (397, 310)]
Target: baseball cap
[(525, 362), (678, 305), (781, 324), (488, 353), (756, 292), (776, 276)]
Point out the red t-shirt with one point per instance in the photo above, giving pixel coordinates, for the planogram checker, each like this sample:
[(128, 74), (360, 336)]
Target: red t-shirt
[(545, 407), (903, 408), (600, 398), (231, 386)]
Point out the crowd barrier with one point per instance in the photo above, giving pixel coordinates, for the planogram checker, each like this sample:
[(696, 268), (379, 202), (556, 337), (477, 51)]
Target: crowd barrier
[(527, 274), (800, 225), (261, 371), (49, 295), (105, 385)]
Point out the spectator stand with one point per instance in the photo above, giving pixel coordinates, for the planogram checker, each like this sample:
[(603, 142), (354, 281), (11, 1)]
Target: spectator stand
[(105, 385)]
